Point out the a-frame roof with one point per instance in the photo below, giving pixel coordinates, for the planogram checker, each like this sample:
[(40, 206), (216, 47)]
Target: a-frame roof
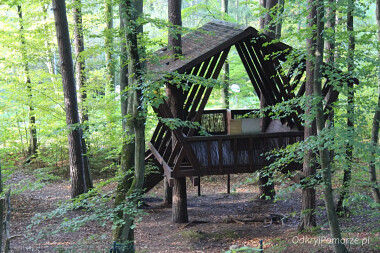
[(208, 40)]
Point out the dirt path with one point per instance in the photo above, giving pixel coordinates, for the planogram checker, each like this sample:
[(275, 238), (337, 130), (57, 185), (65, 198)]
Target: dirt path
[(211, 229)]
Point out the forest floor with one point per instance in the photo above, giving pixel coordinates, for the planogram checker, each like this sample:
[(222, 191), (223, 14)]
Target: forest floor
[(218, 222)]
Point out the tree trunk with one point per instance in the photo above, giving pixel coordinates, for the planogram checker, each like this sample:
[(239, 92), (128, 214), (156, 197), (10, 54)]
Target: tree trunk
[(78, 184), (375, 124), (308, 218), (32, 150), (168, 193), (323, 151), (226, 66), (133, 10), (128, 148), (350, 108), (1, 211), (175, 101), (108, 43), (179, 210), (262, 16), (175, 21), (81, 81), (266, 190), (269, 24), (280, 12)]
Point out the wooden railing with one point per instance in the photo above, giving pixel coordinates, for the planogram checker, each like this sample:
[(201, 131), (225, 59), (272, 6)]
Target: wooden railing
[(230, 154)]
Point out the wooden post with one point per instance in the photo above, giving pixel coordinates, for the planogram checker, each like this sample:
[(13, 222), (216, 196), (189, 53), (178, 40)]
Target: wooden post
[(199, 186), (228, 184)]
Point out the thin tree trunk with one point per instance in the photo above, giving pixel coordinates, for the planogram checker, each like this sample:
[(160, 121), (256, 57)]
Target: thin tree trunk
[(270, 26), (280, 11), (262, 16), (109, 45), (32, 150), (78, 184), (81, 81), (128, 148), (175, 21), (135, 67), (323, 151), (330, 52), (237, 11), (175, 101), (375, 124), (308, 218), (350, 108), (1, 210), (226, 66), (266, 190)]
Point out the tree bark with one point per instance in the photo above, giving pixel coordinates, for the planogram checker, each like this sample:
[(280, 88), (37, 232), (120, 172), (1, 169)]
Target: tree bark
[(179, 210), (269, 24), (375, 124), (226, 66), (308, 218), (134, 9), (280, 11), (128, 148), (108, 43), (175, 101), (262, 16), (266, 190), (175, 21), (81, 81), (350, 107), (78, 184), (320, 121), (32, 150)]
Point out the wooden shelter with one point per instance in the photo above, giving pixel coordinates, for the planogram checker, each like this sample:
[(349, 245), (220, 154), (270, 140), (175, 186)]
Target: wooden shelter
[(229, 148)]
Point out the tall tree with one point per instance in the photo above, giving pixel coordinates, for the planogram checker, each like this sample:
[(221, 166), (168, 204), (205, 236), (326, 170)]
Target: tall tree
[(78, 184), (376, 121), (324, 155), (133, 10), (308, 218), (80, 72), (280, 11), (32, 150), (108, 43), (350, 106), (175, 101), (128, 146), (226, 66), (266, 188)]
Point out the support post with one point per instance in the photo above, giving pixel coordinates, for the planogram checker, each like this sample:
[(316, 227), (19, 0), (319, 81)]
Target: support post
[(228, 184)]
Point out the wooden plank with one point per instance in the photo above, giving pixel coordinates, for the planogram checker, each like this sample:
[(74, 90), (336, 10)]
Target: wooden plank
[(200, 93), (185, 149), (264, 70), (248, 70), (209, 153), (190, 99), (250, 154), (167, 169), (220, 152), (260, 82), (235, 153), (270, 66), (244, 136)]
